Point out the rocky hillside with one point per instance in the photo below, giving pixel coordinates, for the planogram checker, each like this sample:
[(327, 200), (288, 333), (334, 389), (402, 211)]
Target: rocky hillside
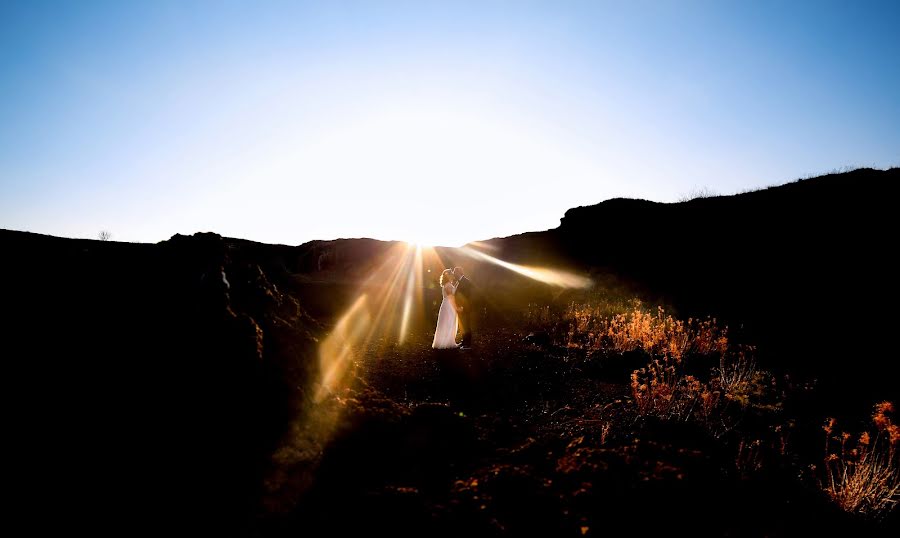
[(149, 383), (153, 381), (803, 269)]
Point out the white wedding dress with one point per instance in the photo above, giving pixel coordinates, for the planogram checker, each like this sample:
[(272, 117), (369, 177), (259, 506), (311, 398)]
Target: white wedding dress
[(448, 322)]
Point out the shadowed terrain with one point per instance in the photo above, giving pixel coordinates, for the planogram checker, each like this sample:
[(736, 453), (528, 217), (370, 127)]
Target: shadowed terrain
[(148, 392), (803, 270)]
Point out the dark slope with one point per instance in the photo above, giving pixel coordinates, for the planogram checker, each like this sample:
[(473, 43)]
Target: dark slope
[(142, 394), (805, 267)]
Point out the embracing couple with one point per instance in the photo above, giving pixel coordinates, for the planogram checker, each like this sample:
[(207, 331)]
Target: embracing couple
[(456, 291)]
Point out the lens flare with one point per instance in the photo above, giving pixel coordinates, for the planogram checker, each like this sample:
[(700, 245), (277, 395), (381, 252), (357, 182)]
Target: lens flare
[(336, 353), (413, 291), (386, 305), (553, 277), (391, 305)]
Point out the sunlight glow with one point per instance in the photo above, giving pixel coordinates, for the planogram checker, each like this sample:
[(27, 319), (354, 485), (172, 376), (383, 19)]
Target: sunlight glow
[(413, 291), (410, 169), (553, 277), (391, 303), (387, 303), (336, 353), (285, 122)]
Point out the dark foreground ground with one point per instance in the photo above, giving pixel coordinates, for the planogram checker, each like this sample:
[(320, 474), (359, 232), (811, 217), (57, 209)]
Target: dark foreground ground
[(515, 438), (146, 398)]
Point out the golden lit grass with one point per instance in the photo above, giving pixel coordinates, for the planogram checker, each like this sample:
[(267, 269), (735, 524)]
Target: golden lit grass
[(656, 333), (864, 476), (662, 389), (738, 377)]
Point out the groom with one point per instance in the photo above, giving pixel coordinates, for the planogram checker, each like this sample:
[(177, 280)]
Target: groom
[(464, 300)]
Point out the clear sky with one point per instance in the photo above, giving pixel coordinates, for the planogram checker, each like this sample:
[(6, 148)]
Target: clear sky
[(438, 122)]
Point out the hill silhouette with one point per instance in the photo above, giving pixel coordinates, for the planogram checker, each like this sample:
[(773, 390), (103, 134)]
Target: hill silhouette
[(145, 384), (803, 269)]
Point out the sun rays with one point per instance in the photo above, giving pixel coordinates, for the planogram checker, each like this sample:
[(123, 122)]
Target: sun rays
[(336, 353), (552, 277), (392, 303), (413, 290), (388, 301)]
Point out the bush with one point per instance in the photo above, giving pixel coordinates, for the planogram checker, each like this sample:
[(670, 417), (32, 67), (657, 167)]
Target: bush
[(864, 476), (656, 333)]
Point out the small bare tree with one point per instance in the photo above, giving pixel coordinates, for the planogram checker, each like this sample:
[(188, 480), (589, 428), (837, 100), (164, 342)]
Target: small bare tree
[(104, 235), (698, 192)]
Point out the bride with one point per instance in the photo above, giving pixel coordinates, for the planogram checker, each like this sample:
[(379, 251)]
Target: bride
[(447, 324)]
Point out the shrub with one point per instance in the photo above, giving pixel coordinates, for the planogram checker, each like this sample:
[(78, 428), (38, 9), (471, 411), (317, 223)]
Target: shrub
[(739, 378), (659, 390), (863, 477), (697, 193), (656, 333)]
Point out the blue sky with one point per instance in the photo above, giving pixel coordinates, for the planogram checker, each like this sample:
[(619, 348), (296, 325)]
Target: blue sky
[(434, 122)]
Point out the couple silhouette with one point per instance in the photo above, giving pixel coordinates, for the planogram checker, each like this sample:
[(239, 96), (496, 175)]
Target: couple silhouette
[(456, 310)]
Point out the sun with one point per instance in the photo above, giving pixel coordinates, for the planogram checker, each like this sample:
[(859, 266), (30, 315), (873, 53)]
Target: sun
[(438, 236), (433, 242)]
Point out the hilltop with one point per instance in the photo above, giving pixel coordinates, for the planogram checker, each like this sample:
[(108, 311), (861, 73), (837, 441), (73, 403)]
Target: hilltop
[(146, 384)]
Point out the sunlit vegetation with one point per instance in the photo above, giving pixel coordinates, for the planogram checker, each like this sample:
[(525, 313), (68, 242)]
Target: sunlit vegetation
[(663, 388), (660, 390), (863, 471), (656, 333), (568, 409)]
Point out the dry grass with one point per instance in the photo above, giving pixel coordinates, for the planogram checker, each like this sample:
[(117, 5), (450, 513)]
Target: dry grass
[(656, 333), (662, 389), (863, 477), (738, 377)]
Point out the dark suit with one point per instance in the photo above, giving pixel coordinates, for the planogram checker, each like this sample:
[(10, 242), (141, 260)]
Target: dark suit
[(464, 294)]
